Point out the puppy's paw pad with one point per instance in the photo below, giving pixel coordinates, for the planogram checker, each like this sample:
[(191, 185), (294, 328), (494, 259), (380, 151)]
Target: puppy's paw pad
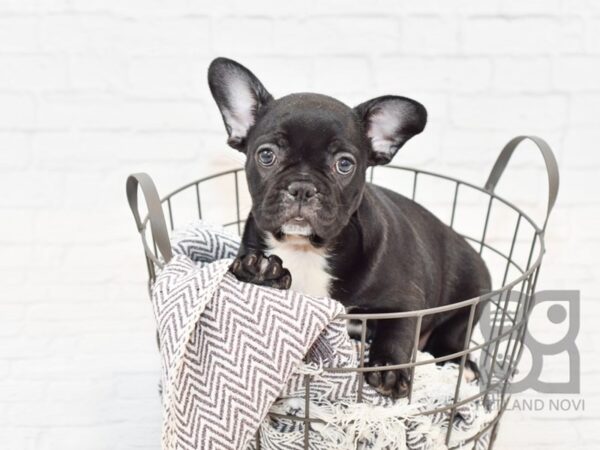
[(257, 268), (392, 383)]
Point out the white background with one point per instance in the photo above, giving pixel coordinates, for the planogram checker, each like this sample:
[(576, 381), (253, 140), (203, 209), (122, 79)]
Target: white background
[(91, 91)]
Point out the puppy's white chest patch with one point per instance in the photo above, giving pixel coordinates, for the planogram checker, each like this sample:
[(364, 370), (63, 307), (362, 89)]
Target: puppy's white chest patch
[(308, 265)]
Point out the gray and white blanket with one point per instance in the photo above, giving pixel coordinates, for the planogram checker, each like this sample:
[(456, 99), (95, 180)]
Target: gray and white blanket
[(234, 352)]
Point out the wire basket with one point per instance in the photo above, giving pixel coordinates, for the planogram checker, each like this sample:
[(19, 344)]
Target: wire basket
[(510, 242)]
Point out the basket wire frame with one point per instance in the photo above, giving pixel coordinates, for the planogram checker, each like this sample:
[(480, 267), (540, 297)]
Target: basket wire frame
[(508, 326)]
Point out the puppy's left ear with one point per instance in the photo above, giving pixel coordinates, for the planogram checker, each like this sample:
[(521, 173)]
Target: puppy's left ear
[(239, 95), (389, 122)]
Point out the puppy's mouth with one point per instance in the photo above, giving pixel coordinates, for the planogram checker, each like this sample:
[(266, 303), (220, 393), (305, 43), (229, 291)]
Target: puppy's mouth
[(307, 220), (298, 230), (298, 226)]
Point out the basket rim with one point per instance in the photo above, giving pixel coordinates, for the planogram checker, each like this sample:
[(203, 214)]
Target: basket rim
[(533, 266)]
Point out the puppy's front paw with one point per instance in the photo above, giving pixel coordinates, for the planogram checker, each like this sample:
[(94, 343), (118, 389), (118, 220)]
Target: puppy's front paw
[(257, 268), (394, 383)]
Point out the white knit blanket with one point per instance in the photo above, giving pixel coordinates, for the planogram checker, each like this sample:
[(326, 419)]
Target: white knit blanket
[(232, 352)]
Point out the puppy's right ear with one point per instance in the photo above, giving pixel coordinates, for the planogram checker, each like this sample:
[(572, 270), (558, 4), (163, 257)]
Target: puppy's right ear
[(239, 96), (389, 122)]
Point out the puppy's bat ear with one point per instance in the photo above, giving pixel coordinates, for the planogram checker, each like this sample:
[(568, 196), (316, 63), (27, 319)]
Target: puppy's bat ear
[(239, 96), (389, 122)]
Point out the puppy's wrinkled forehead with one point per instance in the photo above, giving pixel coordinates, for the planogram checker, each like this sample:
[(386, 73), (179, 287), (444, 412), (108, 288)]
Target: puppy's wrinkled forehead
[(309, 122)]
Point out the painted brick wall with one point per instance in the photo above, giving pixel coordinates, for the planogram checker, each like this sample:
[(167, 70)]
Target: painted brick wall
[(92, 90)]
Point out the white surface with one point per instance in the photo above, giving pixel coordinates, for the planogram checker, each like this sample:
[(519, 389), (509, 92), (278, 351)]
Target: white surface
[(91, 91)]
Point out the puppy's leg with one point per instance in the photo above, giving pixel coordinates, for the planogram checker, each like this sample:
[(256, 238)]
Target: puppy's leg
[(392, 344), (257, 268), (449, 337)]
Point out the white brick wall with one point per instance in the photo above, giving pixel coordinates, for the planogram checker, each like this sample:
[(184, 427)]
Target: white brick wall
[(91, 91)]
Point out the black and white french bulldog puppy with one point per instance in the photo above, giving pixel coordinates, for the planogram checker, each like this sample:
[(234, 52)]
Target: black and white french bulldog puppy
[(318, 227)]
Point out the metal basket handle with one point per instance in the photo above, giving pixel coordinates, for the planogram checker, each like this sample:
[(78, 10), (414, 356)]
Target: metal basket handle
[(156, 216), (549, 159)]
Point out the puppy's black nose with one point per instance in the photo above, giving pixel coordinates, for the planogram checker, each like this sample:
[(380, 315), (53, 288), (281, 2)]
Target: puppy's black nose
[(302, 190)]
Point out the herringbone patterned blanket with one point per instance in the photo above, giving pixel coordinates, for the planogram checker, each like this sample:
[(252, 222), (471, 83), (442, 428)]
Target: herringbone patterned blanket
[(231, 352)]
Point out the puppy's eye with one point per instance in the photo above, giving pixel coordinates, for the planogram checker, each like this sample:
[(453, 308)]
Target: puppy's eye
[(266, 157), (344, 166)]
